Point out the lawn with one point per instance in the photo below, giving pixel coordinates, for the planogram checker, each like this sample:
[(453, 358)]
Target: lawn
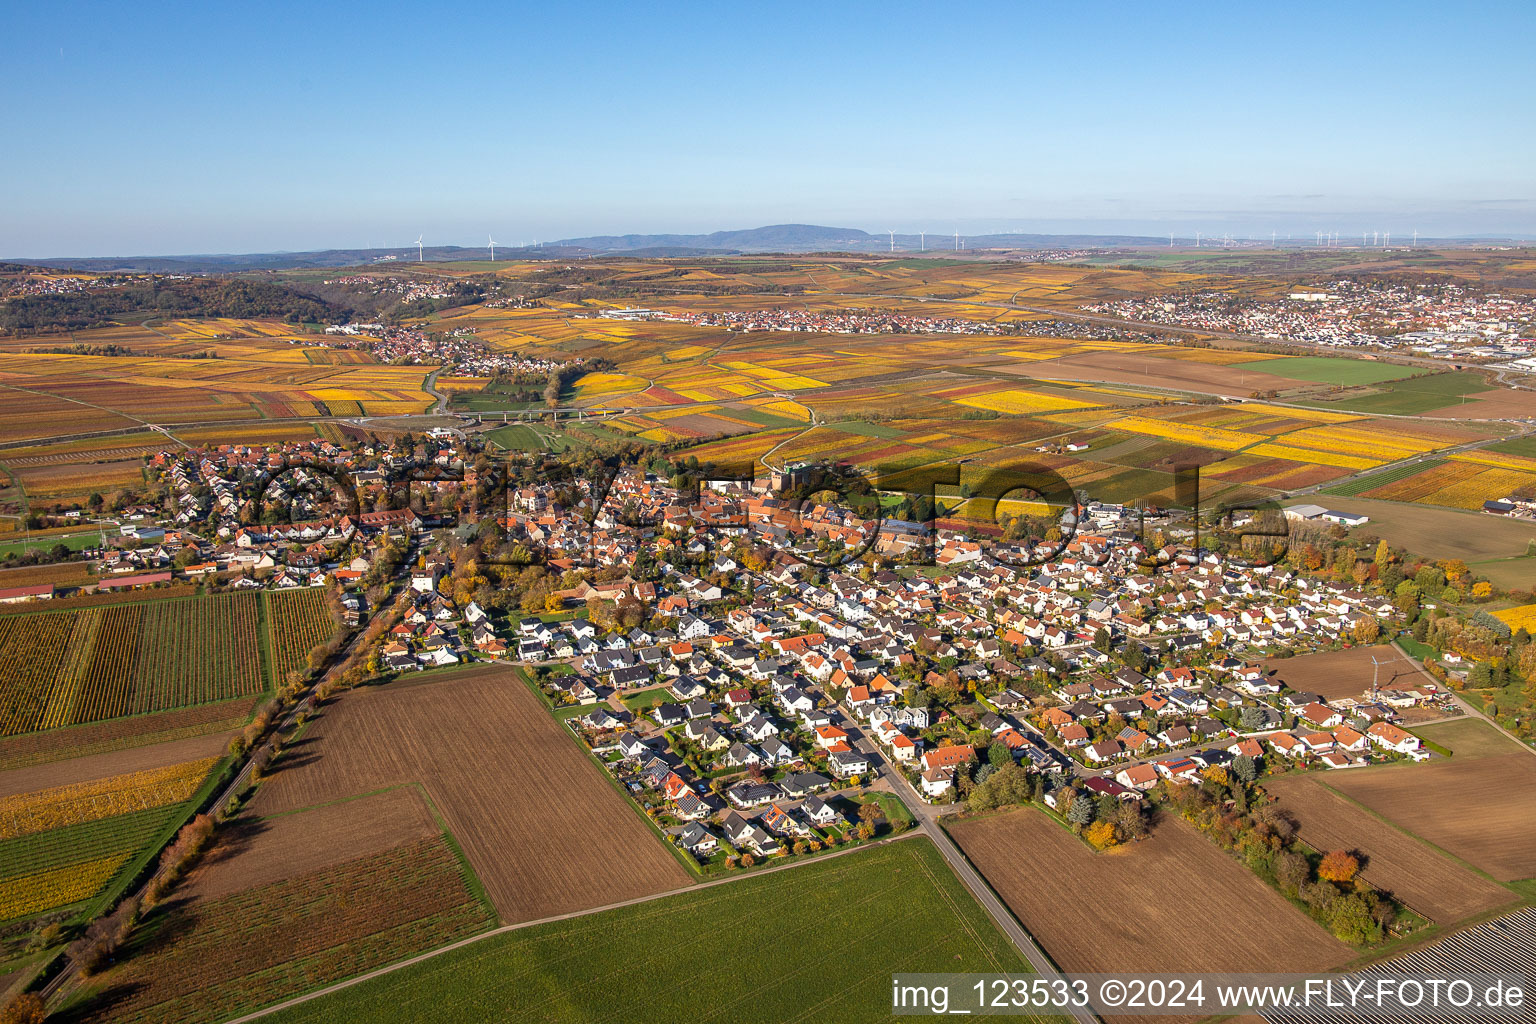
[(516, 436), (1331, 370), (72, 541), (818, 942)]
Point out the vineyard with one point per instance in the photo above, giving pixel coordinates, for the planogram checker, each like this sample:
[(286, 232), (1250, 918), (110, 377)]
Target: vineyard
[(209, 960), (62, 845), (27, 813), (26, 895), (60, 668), (298, 621)]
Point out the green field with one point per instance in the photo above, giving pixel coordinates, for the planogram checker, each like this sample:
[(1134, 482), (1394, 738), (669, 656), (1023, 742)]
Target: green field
[(818, 942), (122, 835), (73, 541), (1414, 396), (1518, 446), (1331, 370), (865, 428), (764, 418), (516, 437), (1468, 738)]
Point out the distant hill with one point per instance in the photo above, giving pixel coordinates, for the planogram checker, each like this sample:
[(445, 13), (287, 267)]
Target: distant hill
[(774, 238), (785, 238)]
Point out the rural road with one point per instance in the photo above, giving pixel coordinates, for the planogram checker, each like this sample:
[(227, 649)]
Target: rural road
[(1471, 711), (430, 387), (927, 819)]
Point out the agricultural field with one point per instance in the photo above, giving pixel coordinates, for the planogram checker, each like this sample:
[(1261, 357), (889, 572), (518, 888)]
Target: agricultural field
[(1482, 541), (67, 831), (1174, 902), (38, 748), (70, 667), (1478, 806), (1518, 618), (1423, 879), (298, 621), (263, 371), (1333, 370), (543, 828), (205, 959), (840, 935), (100, 661), (1462, 480), (1346, 673)]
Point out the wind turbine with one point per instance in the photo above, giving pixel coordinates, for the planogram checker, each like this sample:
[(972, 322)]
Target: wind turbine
[(957, 241), (922, 241), (1415, 238), (418, 249), (893, 239), (492, 242)]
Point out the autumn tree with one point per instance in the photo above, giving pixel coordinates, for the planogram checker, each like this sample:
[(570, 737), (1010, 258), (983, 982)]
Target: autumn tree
[(26, 1008), (1338, 866), (1101, 835)]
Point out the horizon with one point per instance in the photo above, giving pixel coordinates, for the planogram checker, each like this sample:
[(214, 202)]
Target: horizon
[(365, 132), (903, 243)]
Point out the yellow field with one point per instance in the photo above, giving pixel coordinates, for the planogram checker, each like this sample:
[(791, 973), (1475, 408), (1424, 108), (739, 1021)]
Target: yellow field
[(1513, 462), (1280, 451), (1400, 444), (1188, 433), (45, 809), (1017, 401), (1523, 617), (57, 887)]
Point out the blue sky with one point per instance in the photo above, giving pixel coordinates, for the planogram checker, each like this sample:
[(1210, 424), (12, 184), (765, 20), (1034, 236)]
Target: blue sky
[(156, 128)]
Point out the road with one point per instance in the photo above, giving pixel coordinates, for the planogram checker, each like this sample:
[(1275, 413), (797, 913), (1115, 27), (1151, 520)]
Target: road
[(440, 408), (927, 819), (1471, 711)]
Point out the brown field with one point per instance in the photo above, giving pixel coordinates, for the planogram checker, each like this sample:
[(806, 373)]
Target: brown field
[(1427, 881), (1500, 403), (1481, 809), (540, 825), (198, 960), (60, 574), (96, 600), (256, 852), (1174, 902), (1135, 368), (1346, 673), (120, 734), (1443, 532), (106, 765)]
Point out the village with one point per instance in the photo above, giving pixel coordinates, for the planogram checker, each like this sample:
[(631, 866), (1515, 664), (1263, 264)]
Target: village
[(1446, 321), (458, 351), (749, 694)]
